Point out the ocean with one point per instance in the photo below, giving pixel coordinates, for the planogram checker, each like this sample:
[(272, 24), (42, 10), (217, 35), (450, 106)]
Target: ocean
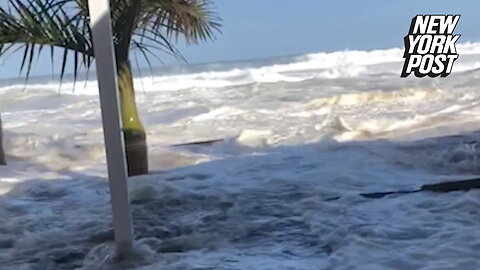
[(297, 131)]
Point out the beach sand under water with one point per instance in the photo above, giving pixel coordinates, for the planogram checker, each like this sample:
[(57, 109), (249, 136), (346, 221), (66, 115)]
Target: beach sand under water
[(297, 132)]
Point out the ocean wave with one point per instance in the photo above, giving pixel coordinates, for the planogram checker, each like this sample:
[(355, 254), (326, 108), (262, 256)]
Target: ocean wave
[(331, 65)]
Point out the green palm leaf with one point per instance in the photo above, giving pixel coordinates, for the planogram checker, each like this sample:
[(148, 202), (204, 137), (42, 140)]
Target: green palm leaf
[(145, 25)]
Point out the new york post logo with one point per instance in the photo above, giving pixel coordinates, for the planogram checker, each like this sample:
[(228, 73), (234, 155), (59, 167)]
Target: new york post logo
[(430, 46)]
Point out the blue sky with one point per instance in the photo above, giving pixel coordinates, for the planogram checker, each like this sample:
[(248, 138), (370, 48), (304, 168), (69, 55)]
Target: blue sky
[(268, 28)]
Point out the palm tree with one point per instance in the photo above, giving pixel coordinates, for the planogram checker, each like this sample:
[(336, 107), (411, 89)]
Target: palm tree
[(145, 25)]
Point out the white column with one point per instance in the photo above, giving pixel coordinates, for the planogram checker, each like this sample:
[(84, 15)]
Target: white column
[(101, 24)]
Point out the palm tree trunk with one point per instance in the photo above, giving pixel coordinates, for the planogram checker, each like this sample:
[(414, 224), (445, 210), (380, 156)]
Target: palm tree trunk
[(133, 131), (2, 153)]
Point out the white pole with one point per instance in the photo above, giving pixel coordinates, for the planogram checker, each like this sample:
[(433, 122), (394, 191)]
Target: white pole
[(101, 24)]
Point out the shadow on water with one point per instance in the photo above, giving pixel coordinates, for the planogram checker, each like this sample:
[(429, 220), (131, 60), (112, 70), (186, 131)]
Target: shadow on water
[(275, 201)]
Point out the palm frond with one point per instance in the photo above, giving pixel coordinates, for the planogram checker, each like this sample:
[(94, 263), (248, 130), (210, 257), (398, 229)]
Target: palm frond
[(144, 25), (163, 22), (195, 20), (34, 24)]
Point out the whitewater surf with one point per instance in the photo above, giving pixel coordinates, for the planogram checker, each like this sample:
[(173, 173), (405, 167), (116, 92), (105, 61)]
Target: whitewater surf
[(293, 132)]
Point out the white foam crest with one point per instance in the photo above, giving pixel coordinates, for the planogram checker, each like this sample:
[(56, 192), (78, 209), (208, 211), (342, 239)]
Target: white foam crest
[(340, 64), (468, 48), (335, 59), (349, 63), (67, 88)]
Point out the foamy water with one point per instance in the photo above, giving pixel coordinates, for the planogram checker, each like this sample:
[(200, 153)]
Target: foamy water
[(297, 131)]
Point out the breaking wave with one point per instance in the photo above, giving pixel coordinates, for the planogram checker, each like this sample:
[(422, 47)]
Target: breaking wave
[(331, 65)]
